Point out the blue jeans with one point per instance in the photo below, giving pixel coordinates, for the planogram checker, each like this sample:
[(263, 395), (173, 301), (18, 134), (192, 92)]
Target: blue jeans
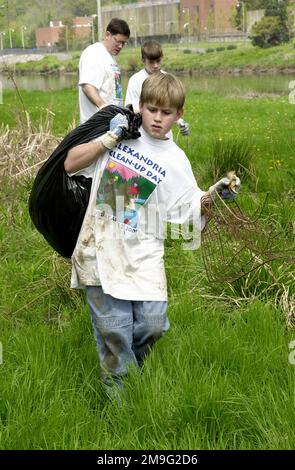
[(124, 330)]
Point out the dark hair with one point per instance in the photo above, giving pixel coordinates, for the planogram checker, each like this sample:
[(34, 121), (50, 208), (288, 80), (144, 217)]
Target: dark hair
[(151, 50), (118, 26)]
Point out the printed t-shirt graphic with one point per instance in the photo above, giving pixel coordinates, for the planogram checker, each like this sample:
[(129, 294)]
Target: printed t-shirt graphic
[(120, 181), (118, 86)]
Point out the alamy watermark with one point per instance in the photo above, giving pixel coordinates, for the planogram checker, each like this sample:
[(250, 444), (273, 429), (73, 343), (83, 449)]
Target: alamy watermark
[(1, 353), (143, 221), (1, 93), (291, 356)]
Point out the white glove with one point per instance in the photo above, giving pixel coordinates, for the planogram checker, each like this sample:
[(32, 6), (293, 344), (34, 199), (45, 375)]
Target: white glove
[(183, 126), (227, 187), (114, 135)]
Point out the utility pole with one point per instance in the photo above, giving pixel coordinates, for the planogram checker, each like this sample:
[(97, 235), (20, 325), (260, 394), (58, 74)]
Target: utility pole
[(241, 3), (66, 37), (1, 40), (99, 21), (10, 36), (244, 17), (22, 28)]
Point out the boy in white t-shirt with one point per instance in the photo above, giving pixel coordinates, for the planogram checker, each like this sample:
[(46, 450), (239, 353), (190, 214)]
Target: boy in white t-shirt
[(138, 186), (151, 56), (99, 73)]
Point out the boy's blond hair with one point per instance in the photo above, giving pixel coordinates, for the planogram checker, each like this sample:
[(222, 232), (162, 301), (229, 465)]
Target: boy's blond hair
[(151, 50), (164, 90)]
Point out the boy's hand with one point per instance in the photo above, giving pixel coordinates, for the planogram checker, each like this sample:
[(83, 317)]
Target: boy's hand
[(227, 187), (114, 135), (183, 126)]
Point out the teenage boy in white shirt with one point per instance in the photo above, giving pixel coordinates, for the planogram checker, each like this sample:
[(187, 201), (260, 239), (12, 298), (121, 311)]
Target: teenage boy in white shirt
[(99, 73), (138, 186), (151, 55)]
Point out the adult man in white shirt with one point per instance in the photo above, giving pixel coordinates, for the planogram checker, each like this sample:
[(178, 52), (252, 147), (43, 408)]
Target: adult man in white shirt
[(99, 74)]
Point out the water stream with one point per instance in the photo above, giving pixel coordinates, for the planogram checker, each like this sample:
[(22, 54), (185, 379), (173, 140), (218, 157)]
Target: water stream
[(225, 85)]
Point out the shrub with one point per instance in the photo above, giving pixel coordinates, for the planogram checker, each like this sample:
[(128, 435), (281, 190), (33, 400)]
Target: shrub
[(210, 49), (76, 55), (231, 47), (268, 32), (218, 49), (187, 51), (71, 65)]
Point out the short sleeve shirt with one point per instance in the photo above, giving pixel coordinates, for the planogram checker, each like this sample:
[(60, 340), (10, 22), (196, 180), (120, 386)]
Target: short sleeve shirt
[(98, 67)]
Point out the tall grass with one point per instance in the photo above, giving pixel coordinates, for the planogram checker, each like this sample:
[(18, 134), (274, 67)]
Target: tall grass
[(219, 379), (236, 154)]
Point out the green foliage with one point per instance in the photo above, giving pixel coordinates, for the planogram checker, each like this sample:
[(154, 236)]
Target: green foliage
[(254, 4), (82, 7), (49, 63), (37, 13), (245, 56), (277, 8), (268, 32), (259, 4), (230, 155)]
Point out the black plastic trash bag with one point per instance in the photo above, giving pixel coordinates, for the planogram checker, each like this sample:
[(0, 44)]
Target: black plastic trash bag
[(57, 202)]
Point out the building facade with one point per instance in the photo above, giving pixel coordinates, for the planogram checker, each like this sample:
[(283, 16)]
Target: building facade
[(208, 17), (81, 28), (147, 19), (47, 37), (154, 19)]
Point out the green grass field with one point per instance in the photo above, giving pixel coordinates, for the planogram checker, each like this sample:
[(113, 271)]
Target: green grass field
[(245, 56), (220, 378), (184, 57)]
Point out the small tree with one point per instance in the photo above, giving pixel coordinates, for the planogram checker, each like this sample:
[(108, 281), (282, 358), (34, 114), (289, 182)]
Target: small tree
[(238, 17), (66, 36), (279, 9), (267, 32)]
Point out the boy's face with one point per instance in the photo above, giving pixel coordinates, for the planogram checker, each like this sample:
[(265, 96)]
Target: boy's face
[(157, 121), (152, 66)]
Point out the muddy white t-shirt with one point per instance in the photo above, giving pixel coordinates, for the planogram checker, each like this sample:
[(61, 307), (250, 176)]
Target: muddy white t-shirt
[(98, 68), (137, 187)]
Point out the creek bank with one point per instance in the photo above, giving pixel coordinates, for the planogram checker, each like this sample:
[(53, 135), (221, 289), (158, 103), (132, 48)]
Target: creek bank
[(65, 63), (192, 72)]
